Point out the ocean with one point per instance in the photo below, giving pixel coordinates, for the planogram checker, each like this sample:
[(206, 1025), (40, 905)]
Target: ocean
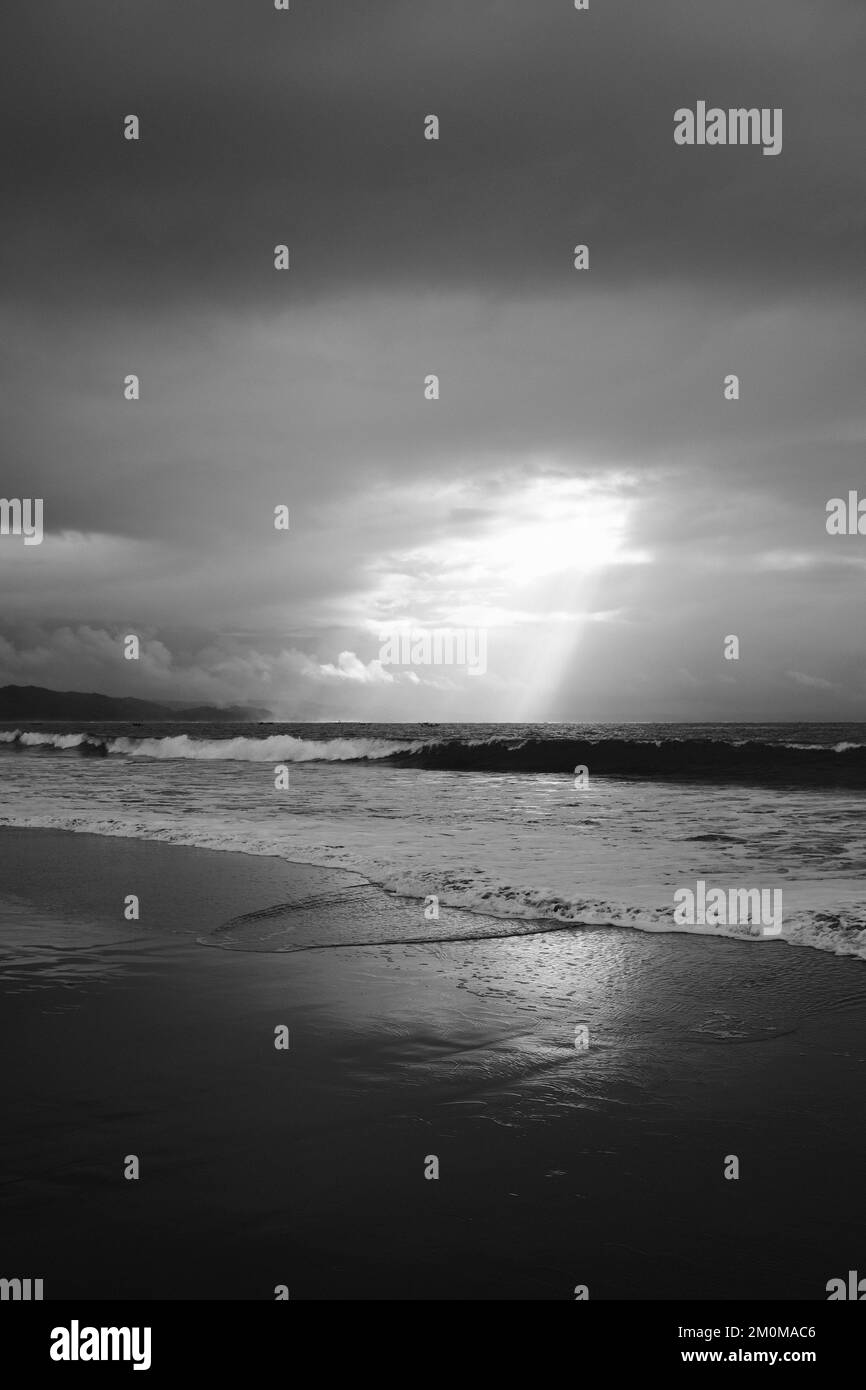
[(489, 819)]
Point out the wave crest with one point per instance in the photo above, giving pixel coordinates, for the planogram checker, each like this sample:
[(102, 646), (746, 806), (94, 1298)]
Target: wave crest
[(674, 759), (272, 748)]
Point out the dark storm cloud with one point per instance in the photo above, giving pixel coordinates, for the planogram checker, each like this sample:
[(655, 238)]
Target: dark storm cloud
[(323, 409), (260, 127), (411, 257)]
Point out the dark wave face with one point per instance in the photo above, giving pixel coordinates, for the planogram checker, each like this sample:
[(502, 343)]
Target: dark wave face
[(709, 760)]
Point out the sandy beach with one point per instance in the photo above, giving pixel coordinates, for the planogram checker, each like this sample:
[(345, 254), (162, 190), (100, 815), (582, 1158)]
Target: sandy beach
[(306, 1167)]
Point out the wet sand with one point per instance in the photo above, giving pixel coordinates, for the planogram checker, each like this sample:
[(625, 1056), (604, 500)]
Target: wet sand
[(305, 1167)]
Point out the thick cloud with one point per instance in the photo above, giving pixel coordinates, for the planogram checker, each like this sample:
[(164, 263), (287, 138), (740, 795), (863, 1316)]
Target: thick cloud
[(455, 257), (306, 128)]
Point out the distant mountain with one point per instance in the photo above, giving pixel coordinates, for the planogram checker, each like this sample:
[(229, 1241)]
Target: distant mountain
[(33, 702)]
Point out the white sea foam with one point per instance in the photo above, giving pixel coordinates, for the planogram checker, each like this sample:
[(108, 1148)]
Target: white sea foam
[(272, 748), (810, 920), (30, 740)]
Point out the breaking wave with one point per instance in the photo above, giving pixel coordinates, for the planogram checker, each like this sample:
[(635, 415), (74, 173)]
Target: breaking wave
[(842, 764), (271, 748)]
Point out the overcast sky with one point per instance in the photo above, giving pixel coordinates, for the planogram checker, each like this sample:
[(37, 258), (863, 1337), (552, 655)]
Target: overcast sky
[(581, 490)]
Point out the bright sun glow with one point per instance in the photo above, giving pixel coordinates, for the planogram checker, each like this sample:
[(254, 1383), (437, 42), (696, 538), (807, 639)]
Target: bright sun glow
[(534, 555), (565, 535), (529, 564)]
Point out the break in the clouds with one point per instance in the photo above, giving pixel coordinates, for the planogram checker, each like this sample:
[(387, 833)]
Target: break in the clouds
[(581, 490)]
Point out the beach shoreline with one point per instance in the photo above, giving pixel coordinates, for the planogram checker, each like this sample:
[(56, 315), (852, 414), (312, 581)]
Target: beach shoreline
[(305, 1167)]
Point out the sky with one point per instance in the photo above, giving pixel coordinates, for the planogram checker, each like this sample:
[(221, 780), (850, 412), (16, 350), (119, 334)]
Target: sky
[(581, 492)]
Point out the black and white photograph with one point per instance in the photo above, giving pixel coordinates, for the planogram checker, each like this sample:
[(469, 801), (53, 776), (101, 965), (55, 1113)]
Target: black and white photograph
[(433, 661)]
